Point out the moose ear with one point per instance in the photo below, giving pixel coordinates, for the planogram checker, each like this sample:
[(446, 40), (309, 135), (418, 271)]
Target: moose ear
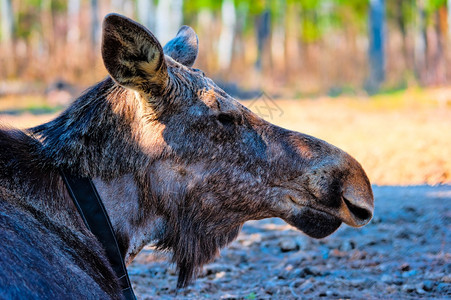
[(133, 56), (184, 47)]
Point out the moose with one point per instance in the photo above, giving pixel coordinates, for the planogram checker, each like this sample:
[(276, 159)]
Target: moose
[(176, 162)]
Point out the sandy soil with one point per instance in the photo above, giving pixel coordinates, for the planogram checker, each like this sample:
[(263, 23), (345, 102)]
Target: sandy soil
[(404, 253)]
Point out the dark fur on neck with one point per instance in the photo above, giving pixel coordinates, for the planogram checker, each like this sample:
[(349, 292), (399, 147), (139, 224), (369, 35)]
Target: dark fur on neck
[(192, 244), (91, 136), (96, 137), (35, 216)]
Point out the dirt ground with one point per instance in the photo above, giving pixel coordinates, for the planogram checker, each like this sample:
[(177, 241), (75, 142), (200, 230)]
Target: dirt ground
[(404, 253), (403, 142)]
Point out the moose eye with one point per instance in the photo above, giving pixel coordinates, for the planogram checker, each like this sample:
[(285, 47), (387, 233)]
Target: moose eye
[(226, 119)]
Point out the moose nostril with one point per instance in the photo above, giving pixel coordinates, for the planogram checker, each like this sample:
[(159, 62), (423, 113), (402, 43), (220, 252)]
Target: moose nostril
[(359, 212)]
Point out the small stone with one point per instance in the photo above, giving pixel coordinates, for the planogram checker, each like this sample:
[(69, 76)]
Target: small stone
[(384, 267), (309, 271), (391, 289), (229, 296), (329, 293), (357, 282), (287, 245), (405, 267), (272, 288), (420, 290), (386, 278), (397, 281), (376, 220), (428, 285), (220, 275), (307, 286), (347, 246), (443, 288), (409, 273), (408, 288), (446, 279)]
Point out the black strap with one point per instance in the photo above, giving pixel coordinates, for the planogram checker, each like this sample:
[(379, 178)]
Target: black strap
[(95, 217)]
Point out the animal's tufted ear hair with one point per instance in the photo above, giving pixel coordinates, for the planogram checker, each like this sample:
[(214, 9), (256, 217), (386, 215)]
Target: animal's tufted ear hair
[(184, 47), (133, 56)]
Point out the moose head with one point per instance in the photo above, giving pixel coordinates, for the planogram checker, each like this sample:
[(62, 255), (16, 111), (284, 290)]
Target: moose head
[(193, 163)]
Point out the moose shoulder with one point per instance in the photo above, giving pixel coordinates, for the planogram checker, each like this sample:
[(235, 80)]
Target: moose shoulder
[(176, 161)]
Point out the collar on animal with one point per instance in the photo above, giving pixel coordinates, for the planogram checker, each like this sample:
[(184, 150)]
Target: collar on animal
[(93, 213)]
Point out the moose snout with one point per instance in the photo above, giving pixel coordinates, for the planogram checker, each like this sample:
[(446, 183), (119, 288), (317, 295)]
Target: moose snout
[(333, 182), (357, 196), (355, 211)]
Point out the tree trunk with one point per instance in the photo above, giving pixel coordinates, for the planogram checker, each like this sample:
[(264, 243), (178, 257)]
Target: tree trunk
[(439, 57), (117, 6), (278, 40), (48, 41), (206, 29), (263, 31), (7, 21), (7, 36), (146, 13), (293, 50), (95, 24), (449, 18), (225, 44), (420, 41), (169, 19), (73, 21), (400, 18), (376, 46)]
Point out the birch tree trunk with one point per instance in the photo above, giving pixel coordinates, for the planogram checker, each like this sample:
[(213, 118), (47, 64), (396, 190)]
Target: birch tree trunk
[(117, 6), (48, 36), (449, 18), (377, 45), (420, 40), (176, 16), (73, 21), (169, 19), (7, 22), (7, 36), (263, 32), (278, 39), (225, 44), (146, 13), (439, 57), (95, 24), (400, 18), (293, 50)]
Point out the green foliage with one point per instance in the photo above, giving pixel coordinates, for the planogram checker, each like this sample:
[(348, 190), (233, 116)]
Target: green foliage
[(28, 15), (319, 17), (433, 5), (255, 7), (59, 5), (33, 3), (194, 6), (27, 18)]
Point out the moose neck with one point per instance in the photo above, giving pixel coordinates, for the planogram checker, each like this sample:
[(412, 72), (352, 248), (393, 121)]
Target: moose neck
[(92, 135), (122, 198), (89, 139)]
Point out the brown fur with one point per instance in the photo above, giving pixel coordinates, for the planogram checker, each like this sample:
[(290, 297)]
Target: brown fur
[(195, 163)]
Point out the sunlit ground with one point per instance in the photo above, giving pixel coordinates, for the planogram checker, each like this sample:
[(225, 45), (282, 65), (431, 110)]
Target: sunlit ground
[(401, 138)]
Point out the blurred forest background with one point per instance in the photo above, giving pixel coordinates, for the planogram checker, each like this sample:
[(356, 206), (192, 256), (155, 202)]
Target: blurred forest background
[(371, 77), (289, 47)]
